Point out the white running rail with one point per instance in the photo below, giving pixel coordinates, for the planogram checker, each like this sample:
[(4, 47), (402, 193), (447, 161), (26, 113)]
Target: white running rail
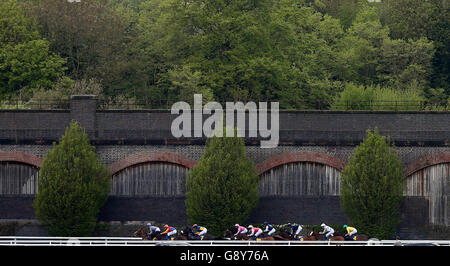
[(135, 241)]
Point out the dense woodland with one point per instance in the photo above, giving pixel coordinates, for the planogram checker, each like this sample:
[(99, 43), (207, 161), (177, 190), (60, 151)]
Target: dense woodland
[(305, 54)]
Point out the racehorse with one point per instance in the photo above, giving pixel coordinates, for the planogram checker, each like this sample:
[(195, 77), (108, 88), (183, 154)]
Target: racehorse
[(141, 233), (309, 237), (319, 236), (362, 238), (267, 238), (285, 236), (281, 236), (241, 237), (190, 235), (228, 234), (187, 233), (356, 237)]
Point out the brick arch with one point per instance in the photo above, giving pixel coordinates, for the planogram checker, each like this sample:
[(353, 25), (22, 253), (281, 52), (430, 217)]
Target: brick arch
[(20, 157), (300, 157), (425, 162), (151, 157)]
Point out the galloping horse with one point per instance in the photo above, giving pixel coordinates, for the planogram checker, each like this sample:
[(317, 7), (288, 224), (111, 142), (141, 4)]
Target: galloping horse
[(284, 236), (319, 236), (267, 238), (362, 238), (356, 237), (228, 234), (190, 235), (141, 233), (309, 237), (187, 233), (241, 237), (281, 236)]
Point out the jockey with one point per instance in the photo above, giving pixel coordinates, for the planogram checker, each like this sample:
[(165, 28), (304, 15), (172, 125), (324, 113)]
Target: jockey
[(170, 231), (153, 230), (254, 232), (200, 230), (295, 229), (350, 231), (269, 228), (328, 230), (240, 229)]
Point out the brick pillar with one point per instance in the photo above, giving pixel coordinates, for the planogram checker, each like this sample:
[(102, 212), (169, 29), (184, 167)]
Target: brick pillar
[(83, 110)]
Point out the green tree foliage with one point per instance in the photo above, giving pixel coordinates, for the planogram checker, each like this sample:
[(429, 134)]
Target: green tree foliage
[(411, 19), (29, 66), (344, 10), (73, 186), (405, 64), (90, 35), (354, 97), (358, 55), (16, 27), (186, 83), (25, 59), (244, 50), (359, 97), (300, 53), (223, 188), (437, 97), (368, 56), (372, 186)]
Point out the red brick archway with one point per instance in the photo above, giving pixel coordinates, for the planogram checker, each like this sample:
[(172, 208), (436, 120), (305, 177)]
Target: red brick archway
[(20, 157), (300, 157), (425, 162), (151, 157)]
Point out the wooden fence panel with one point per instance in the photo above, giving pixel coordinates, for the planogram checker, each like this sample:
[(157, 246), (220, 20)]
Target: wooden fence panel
[(150, 179), (18, 179)]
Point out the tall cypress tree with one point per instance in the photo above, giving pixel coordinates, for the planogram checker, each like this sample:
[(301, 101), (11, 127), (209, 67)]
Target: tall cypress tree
[(72, 186), (223, 188), (371, 187)]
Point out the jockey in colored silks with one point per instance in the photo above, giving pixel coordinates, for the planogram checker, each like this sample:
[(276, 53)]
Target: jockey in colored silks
[(328, 230), (254, 232), (269, 228), (170, 231)]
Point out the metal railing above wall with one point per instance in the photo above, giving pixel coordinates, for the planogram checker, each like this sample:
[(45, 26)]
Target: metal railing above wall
[(166, 104), (35, 105), (134, 241), (388, 106)]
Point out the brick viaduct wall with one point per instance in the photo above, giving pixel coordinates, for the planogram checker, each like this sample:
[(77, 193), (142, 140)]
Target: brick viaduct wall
[(120, 135), (299, 128)]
